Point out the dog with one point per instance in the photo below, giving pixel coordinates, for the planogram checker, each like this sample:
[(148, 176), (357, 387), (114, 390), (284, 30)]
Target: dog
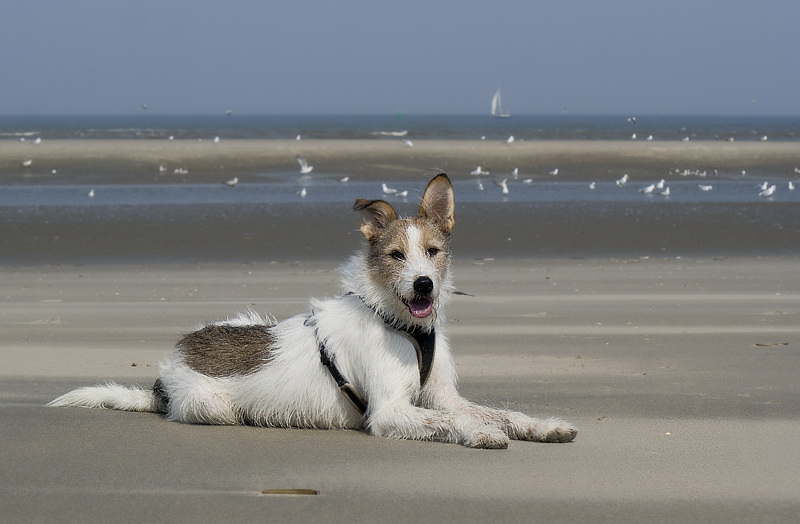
[(375, 358)]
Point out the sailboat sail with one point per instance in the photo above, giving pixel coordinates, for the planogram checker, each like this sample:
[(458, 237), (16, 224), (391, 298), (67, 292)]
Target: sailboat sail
[(497, 106)]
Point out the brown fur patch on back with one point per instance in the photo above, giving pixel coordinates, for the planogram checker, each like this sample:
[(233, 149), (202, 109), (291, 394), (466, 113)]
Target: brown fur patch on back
[(224, 351)]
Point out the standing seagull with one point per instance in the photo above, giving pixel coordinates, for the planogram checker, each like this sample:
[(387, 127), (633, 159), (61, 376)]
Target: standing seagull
[(232, 182), (304, 167)]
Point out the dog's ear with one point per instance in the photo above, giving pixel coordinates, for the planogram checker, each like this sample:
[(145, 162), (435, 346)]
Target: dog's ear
[(375, 215), (438, 203)]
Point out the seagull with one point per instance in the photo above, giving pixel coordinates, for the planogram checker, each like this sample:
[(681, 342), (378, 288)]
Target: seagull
[(649, 138), (298, 137), (181, 171), (660, 184), (649, 189), (791, 186), (632, 120), (38, 140), (769, 191), (162, 168), (478, 171), (665, 192), (232, 182), (27, 163), (515, 172), (554, 172), (344, 179), (764, 186), (797, 170), (685, 139), (633, 136), (592, 185), (510, 139), (388, 190), (90, 194), (480, 185), (764, 138), (408, 143), (304, 167), (402, 194), (216, 140), (528, 181), (622, 181), (704, 187), (502, 184), (303, 193)]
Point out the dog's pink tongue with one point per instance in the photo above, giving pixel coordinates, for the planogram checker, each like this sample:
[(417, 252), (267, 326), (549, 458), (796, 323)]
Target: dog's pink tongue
[(420, 308)]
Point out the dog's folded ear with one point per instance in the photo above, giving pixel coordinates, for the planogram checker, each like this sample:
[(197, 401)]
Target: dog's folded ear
[(438, 203), (375, 215)]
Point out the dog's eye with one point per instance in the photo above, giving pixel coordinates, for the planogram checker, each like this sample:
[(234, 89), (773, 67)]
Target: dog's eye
[(433, 251), (397, 255)]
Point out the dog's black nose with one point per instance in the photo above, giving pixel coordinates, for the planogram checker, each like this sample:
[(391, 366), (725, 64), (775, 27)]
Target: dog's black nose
[(423, 285)]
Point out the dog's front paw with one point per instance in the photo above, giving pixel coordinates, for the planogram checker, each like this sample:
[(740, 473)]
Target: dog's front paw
[(487, 437), (551, 430)]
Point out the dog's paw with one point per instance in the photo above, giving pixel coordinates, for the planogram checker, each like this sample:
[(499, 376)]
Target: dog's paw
[(552, 430), (487, 437)]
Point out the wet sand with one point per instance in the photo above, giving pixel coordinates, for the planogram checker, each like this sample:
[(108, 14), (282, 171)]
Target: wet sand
[(679, 373), (137, 161)]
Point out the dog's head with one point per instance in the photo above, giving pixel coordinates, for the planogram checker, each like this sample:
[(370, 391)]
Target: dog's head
[(408, 258)]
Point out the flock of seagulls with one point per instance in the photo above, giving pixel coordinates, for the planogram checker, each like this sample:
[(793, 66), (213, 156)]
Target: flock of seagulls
[(765, 189), (656, 188)]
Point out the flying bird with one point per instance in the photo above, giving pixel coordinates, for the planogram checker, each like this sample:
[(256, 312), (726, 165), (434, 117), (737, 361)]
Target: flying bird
[(304, 167), (478, 171), (502, 185)]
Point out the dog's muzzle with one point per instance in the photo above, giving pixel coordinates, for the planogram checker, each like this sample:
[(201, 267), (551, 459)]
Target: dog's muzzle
[(421, 306)]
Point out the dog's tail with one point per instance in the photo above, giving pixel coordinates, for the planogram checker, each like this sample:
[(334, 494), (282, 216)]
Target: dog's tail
[(114, 396)]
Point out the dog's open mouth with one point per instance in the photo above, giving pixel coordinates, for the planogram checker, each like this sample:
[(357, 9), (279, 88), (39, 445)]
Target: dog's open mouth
[(420, 307)]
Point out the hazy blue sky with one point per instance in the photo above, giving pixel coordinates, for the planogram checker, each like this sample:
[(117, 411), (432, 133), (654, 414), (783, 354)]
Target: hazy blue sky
[(416, 56)]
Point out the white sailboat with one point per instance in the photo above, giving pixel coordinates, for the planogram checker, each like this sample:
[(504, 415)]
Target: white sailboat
[(497, 106)]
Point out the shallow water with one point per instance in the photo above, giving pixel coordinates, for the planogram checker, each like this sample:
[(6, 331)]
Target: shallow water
[(330, 190)]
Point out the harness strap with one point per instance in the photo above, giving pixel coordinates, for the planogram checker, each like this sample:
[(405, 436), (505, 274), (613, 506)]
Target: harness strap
[(349, 391)]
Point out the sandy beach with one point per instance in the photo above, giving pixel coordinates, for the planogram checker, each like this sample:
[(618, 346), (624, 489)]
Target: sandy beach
[(133, 161), (680, 374), (667, 333)]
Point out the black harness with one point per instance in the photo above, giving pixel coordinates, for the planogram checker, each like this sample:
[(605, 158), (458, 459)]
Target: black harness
[(424, 343)]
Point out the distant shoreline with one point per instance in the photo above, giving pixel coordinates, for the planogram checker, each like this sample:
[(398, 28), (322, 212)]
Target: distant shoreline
[(138, 160)]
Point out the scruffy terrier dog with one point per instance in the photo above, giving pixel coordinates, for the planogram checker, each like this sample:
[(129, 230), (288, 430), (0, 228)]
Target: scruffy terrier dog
[(374, 358)]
